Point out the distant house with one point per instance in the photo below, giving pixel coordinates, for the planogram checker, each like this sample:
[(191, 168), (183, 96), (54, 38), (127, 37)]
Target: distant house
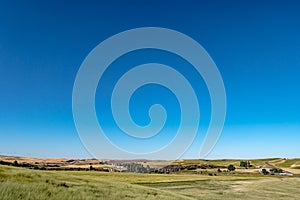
[(121, 168)]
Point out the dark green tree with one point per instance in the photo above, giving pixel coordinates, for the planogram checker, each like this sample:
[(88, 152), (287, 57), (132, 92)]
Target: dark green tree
[(277, 170), (231, 167), (243, 164), (15, 163), (264, 171)]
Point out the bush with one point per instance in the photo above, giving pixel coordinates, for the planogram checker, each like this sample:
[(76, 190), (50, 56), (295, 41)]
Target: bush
[(245, 164), (277, 170), (15, 163), (264, 171), (231, 167)]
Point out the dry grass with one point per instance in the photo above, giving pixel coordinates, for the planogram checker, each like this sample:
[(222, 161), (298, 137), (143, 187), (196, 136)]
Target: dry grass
[(18, 183), (268, 188)]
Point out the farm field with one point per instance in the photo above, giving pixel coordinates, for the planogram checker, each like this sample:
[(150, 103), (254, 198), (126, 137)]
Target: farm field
[(21, 183)]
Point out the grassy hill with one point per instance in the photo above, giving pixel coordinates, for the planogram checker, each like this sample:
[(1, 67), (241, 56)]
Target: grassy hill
[(226, 162), (288, 163), (20, 183), (17, 183)]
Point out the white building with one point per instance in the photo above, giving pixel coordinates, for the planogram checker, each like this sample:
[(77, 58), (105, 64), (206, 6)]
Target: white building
[(286, 174)]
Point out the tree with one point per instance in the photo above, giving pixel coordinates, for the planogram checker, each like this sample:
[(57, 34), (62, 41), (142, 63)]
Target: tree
[(277, 170), (231, 167), (15, 163), (91, 167), (264, 171), (245, 164), (249, 164)]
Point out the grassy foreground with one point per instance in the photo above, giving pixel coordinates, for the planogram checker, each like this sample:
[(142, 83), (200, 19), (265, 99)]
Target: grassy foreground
[(18, 183)]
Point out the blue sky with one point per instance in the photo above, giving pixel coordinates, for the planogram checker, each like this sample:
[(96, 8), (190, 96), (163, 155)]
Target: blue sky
[(255, 44)]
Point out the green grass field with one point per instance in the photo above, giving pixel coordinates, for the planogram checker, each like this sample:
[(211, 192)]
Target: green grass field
[(19, 183)]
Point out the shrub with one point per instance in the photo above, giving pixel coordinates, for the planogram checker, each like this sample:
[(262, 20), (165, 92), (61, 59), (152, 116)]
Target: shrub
[(231, 167), (264, 171)]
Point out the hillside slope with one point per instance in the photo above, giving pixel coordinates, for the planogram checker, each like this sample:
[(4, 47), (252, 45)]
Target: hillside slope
[(20, 183)]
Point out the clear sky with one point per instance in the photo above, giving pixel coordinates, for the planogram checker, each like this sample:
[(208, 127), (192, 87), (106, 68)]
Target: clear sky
[(255, 44)]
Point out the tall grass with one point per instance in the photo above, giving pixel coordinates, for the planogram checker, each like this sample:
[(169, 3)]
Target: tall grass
[(29, 184), (18, 183)]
